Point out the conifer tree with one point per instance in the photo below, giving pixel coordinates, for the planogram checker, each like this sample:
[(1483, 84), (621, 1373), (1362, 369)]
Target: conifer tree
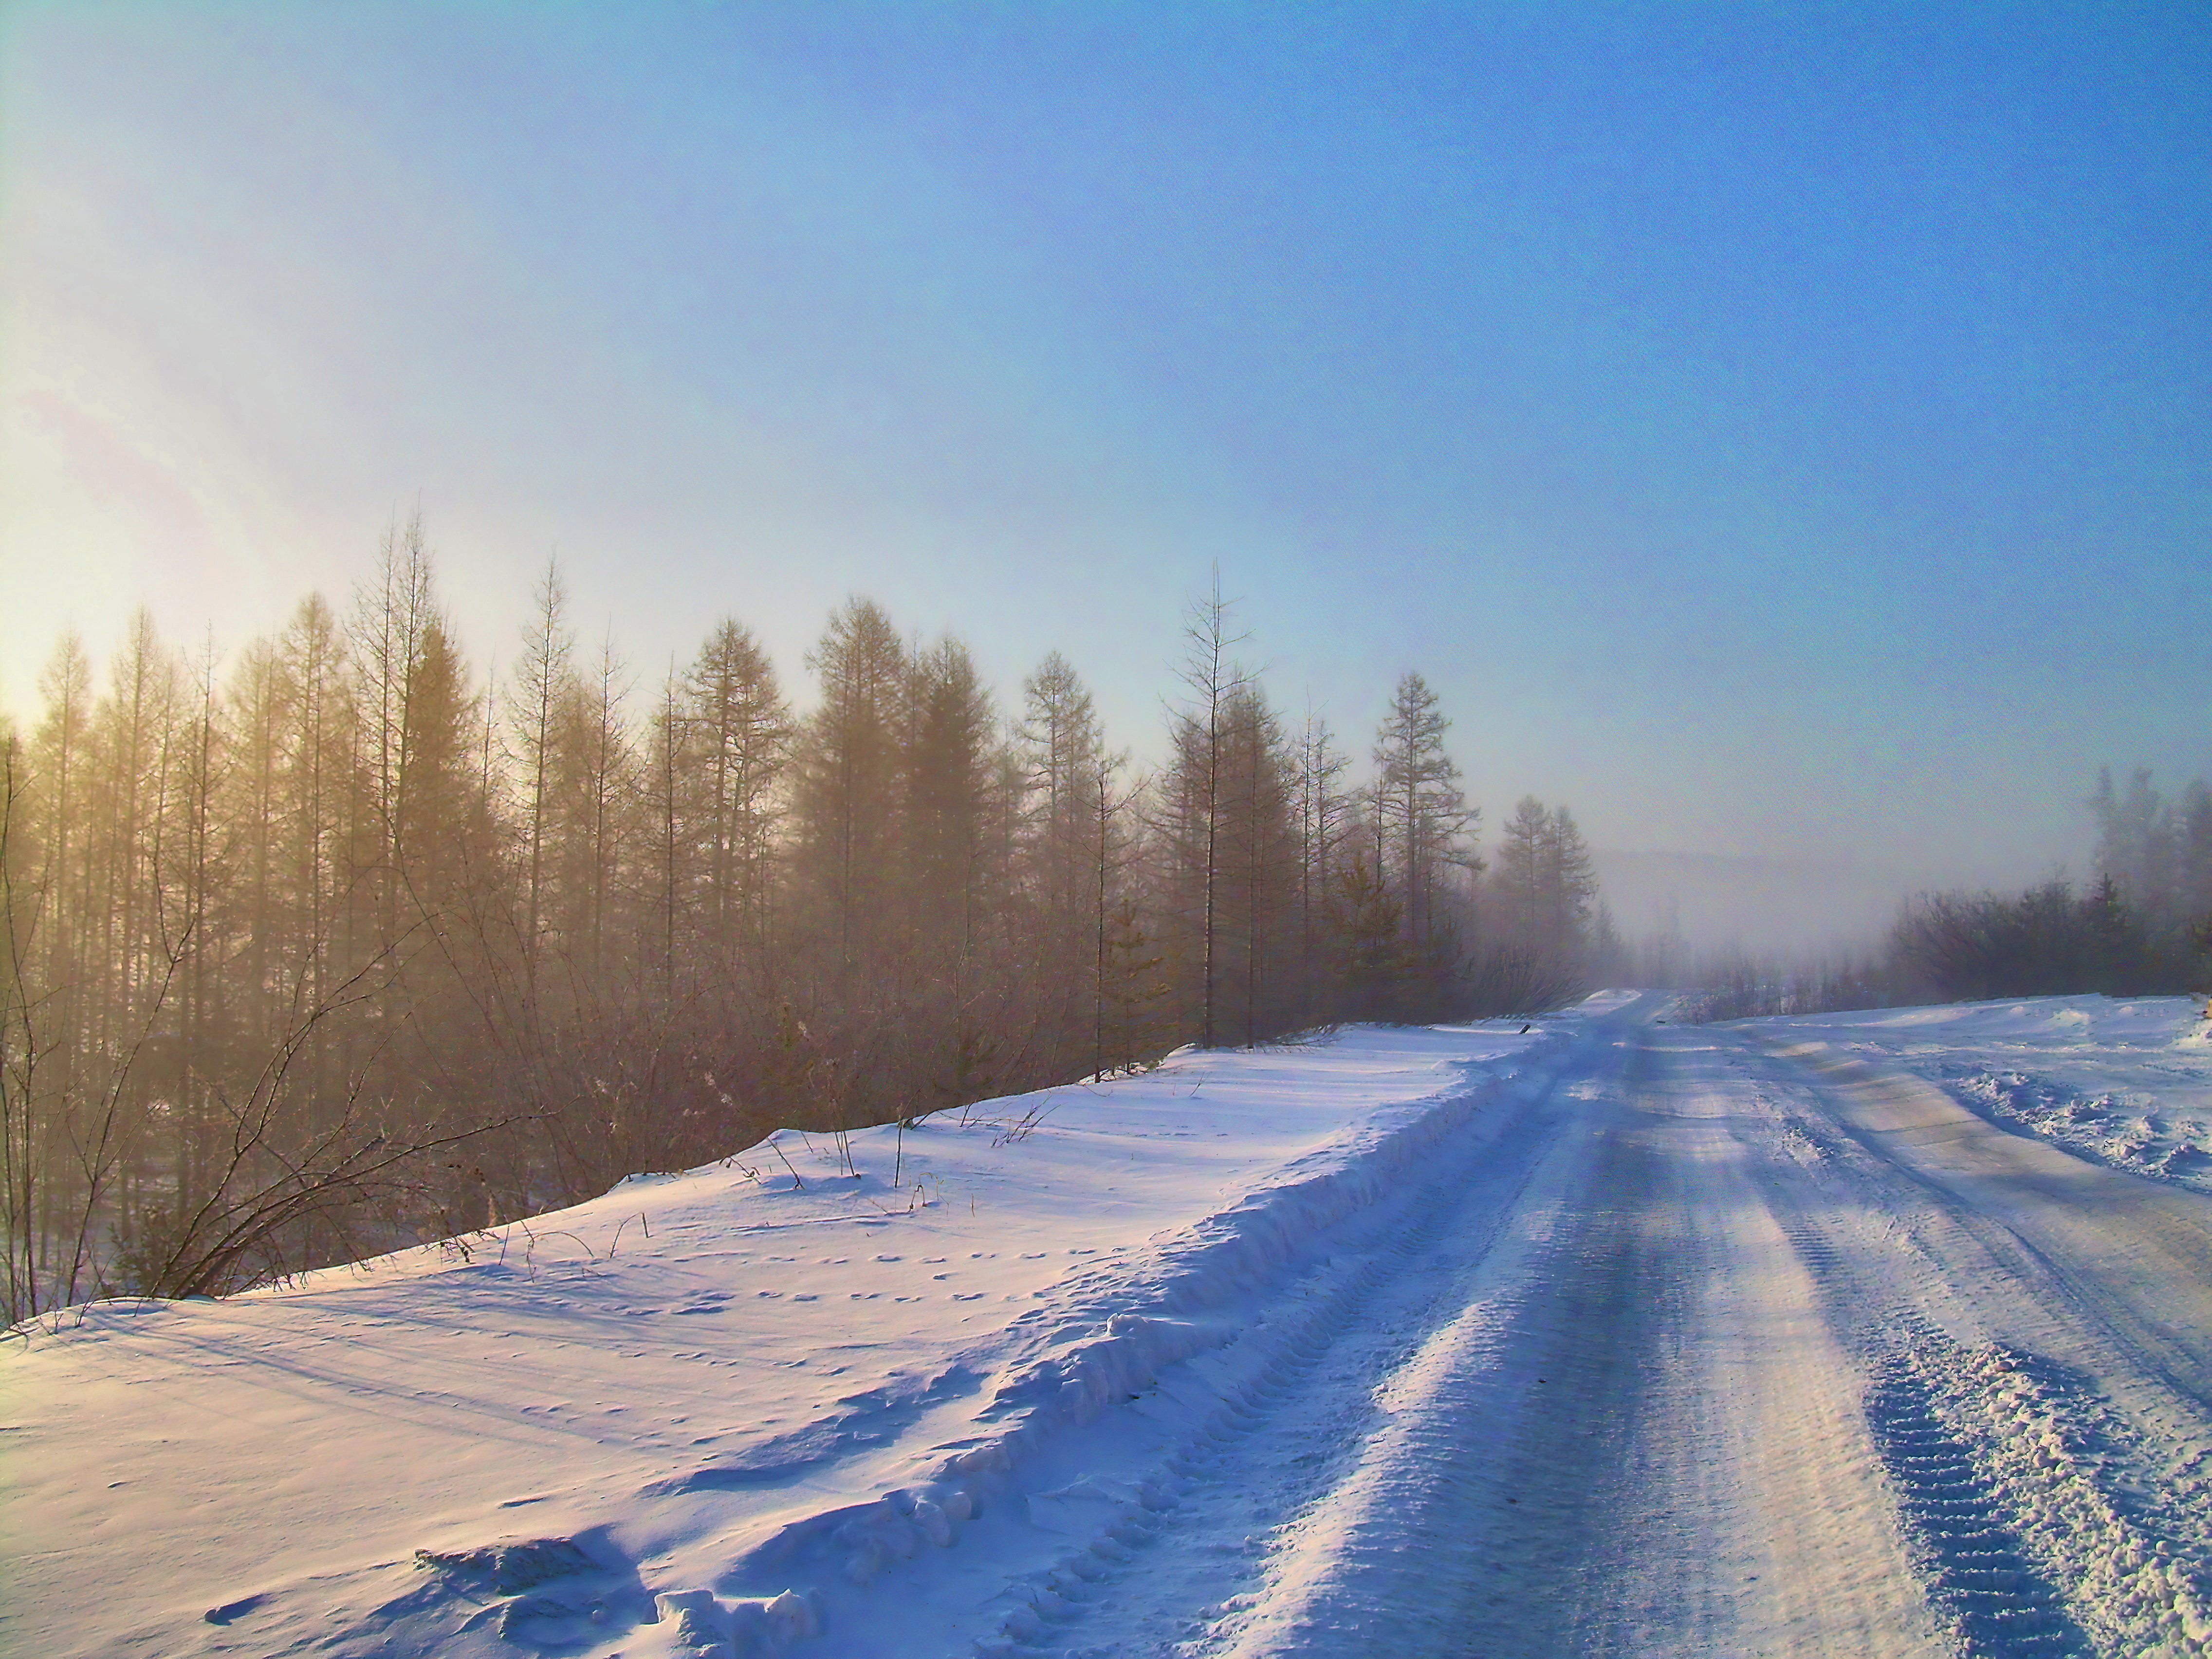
[(544, 685), (1570, 888), (740, 731), (1367, 927), (317, 787), (951, 778), (54, 779), (392, 614), (847, 805), (1193, 810), (1546, 883), (1060, 748), (1322, 814), (1259, 847), (1125, 971), (26, 1168), (1419, 812), (1518, 883), (667, 856), (596, 781)]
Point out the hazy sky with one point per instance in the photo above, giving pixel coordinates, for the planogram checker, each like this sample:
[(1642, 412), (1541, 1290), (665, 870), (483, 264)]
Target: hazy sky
[(1773, 428)]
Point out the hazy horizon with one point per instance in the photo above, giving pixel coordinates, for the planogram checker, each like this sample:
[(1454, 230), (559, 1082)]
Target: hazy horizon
[(1775, 436)]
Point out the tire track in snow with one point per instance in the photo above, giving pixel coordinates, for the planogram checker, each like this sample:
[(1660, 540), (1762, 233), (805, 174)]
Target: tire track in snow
[(1583, 1457), (1288, 1435), (2046, 1519), (1554, 1583), (2102, 1249), (1972, 1559), (1735, 1509), (1420, 1525)]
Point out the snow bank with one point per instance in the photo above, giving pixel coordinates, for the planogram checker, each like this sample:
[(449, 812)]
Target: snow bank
[(1998, 1457), (2125, 1082), (783, 1402)]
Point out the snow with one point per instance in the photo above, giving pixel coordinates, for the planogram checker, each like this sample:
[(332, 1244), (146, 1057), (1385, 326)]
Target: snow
[(714, 1381), (1606, 1336), (2124, 1082)]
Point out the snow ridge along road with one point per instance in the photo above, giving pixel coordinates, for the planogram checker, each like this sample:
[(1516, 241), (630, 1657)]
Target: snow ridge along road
[(1608, 1338)]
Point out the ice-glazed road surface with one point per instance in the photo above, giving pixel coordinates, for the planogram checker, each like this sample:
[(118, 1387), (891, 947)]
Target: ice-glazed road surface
[(1612, 1337)]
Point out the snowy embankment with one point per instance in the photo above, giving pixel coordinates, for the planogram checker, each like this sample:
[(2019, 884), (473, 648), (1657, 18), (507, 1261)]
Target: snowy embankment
[(741, 1408), (2120, 1081)]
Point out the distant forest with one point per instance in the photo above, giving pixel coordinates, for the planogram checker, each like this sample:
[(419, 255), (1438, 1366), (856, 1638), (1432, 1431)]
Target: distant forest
[(2141, 926), (341, 948)]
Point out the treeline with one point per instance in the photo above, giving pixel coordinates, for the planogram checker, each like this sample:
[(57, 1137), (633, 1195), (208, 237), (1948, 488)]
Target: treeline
[(2142, 928), (338, 948)]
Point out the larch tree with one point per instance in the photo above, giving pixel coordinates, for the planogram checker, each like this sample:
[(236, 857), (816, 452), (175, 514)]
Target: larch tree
[(1570, 888), (740, 741), (1546, 883), (1060, 745), (1211, 678), (666, 873), (1125, 983), (205, 925), (597, 781), (952, 871), (543, 684), (316, 792), (1517, 885), (847, 801), (258, 711), (105, 1122), (1258, 848), (1060, 739), (951, 779), (1322, 813), (24, 1170), (54, 784), (442, 830), (1421, 814), (387, 634)]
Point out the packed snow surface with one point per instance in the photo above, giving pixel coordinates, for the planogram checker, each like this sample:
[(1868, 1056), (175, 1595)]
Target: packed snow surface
[(2125, 1082), (1609, 1335)]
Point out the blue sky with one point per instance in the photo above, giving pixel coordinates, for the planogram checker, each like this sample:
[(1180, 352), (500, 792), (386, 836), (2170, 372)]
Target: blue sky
[(1774, 428)]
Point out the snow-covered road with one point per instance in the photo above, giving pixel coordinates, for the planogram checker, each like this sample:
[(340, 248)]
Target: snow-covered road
[(1617, 1337), (1743, 1349)]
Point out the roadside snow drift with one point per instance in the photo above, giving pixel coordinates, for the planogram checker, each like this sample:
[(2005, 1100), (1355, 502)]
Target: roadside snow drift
[(2125, 1082), (736, 1410)]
